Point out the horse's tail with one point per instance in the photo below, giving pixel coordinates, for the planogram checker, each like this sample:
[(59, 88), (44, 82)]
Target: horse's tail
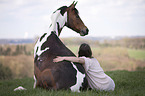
[(37, 74)]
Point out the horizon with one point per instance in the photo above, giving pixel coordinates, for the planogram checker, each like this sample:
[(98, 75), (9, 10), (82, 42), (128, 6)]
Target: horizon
[(115, 37)]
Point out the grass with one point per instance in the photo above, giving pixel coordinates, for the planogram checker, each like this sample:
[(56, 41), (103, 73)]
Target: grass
[(137, 54), (128, 83)]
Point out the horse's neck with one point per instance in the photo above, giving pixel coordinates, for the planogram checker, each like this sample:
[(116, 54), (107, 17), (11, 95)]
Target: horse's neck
[(58, 22)]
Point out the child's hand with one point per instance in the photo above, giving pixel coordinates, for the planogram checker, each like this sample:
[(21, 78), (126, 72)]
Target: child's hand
[(58, 59)]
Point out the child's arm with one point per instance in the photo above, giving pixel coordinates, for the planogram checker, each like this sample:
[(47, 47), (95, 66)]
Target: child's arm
[(71, 59)]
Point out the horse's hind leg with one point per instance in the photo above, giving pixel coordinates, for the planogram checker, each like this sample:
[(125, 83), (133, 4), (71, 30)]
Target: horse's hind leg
[(48, 80)]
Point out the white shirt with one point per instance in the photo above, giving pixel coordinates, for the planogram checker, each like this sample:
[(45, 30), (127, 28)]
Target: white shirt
[(96, 77)]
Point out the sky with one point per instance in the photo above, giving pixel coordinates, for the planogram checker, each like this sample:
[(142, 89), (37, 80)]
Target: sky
[(31, 18)]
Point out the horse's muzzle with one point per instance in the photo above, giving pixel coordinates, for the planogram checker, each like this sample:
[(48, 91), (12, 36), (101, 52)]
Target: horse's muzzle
[(84, 32)]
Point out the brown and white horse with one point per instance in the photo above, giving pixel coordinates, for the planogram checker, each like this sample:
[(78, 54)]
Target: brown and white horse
[(62, 75)]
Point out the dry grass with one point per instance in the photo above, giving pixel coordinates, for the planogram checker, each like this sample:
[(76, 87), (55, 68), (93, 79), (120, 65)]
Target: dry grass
[(21, 65)]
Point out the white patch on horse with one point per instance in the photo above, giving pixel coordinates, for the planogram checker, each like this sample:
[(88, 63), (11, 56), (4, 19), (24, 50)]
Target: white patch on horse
[(57, 17), (80, 78), (38, 45), (35, 82)]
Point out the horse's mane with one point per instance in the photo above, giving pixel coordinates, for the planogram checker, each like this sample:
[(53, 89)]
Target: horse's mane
[(62, 10)]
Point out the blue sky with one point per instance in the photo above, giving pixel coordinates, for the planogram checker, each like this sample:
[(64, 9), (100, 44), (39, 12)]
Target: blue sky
[(31, 18)]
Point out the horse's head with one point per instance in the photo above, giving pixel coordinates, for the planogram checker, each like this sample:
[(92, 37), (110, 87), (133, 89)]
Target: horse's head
[(74, 21), (68, 16)]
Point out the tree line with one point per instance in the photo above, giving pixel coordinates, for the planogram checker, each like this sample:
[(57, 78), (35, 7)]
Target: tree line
[(133, 43), (20, 49)]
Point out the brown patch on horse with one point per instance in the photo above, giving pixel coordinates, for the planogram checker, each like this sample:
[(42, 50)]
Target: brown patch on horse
[(45, 78), (47, 75)]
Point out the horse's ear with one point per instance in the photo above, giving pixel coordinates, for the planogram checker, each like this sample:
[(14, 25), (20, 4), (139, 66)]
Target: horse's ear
[(75, 3), (72, 6)]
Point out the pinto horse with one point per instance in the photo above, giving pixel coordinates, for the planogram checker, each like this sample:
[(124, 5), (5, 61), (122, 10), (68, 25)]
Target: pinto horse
[(65, 74)]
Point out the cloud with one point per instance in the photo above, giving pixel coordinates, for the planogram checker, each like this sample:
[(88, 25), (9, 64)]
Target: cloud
[(26, 35)]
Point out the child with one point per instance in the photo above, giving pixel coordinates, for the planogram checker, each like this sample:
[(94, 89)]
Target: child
[(95, 75)]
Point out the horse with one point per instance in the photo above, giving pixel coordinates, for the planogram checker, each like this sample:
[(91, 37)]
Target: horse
[(65, 74)]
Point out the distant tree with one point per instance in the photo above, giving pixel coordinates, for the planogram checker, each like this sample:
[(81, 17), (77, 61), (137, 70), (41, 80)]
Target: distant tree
[(17, 50), (24, 49), (1, 51), (8, 51), (105, 44)]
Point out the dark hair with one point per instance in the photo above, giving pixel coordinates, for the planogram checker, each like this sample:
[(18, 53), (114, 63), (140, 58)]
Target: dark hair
[(85, 50)]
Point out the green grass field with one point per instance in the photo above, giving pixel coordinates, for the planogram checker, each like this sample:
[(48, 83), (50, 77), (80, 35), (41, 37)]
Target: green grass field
[(127, 84), (137, 54)]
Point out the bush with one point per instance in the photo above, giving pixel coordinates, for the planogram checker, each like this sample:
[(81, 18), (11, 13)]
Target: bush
[(5, 72)]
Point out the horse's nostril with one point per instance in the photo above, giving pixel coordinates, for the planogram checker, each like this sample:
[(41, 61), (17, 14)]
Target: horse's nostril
[(87, 30)]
